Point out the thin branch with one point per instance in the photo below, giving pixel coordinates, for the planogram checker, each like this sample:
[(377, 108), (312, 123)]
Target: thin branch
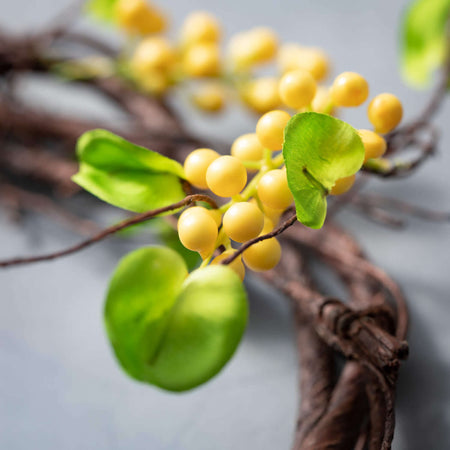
[(86, 40), (109, 231), (400, 206), (378, 215), (386, 168), (286, 224), (20, 199)]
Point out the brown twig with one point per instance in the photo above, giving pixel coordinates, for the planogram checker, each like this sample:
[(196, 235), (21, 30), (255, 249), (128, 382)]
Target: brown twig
[(372, 202), (20, 199), (284, 226), (109, 231)]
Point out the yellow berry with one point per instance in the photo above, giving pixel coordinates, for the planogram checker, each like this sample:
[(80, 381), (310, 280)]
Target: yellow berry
[(226, 176), (154, 82), (196, 164), (273, 190), (264, 255), (210, 97), (261, 94), (197, 230), (216, 215), (270, 129), (349, 89), (247, 148), (297, 88), (243, 221), (139, 17), (256, 46), (343, 185), (202, 60), (322, 101), (313, 60), (374, 144), (385, 112), (268, 226), (200, 27), (273, 214), (236, 264), (270, 213), (153, 54)]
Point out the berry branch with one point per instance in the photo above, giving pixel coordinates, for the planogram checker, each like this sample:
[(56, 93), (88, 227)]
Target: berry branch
[(350, 409)]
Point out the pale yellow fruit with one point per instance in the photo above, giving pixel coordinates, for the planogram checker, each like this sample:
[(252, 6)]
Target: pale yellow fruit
[(226, 176), (210, 97), (139, 17), (154, 82), (247, 148), (270, 213), (249, 48), (270, 129), (294, 56), (264, 255), (322, 101), (268, 226), (216, 215), (196, 164), (200, 27), (236, 264), (273, 190), (243, 221), (343, 185), (349, 89), (261, 94), (197, 230), (202, 60), (297, 88), (153, 54), (374, 144), (385, 112)]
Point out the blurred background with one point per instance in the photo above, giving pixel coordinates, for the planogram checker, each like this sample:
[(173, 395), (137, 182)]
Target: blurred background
[(60, 386)]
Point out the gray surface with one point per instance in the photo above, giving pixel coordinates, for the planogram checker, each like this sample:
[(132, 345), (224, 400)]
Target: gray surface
[(60, 386)]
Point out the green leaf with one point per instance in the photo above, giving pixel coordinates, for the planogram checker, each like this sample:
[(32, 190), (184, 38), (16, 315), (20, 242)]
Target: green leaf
[(101, 9), (318, 149), (126, 175), (169, 330), (424, 39)]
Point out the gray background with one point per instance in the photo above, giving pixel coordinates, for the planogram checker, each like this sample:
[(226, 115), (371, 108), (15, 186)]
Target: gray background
[(60, 387)]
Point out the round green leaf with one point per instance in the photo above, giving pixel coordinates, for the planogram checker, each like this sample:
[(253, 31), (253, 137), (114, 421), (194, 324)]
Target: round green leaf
[(206, 326), (318, 149), (142, 293), (172, 331), (127, 175), (424, 39)]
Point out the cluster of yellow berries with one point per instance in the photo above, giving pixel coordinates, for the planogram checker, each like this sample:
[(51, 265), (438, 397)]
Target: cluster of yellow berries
[(254, 208), (385, 111), (158, 63)]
